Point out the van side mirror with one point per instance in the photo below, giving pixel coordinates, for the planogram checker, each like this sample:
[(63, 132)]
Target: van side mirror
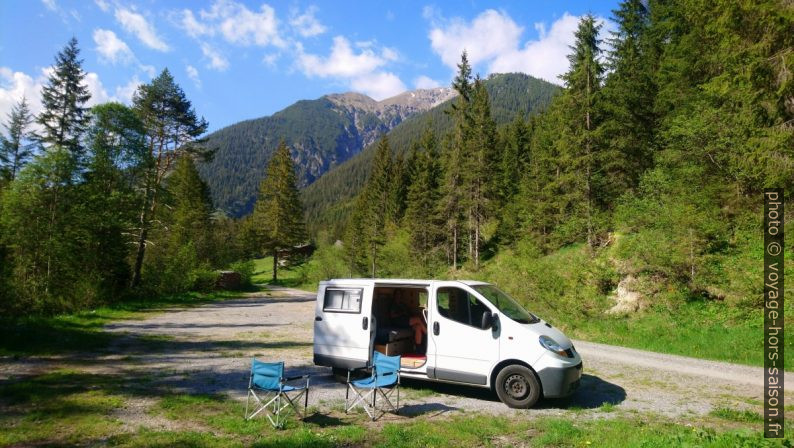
[(487, 320)]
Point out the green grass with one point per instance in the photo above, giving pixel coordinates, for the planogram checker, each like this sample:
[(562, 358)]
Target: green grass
[(292, 277), (67, 407), (735, 415), (82, 331)]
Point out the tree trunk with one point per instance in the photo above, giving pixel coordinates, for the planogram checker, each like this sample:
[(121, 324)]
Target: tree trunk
[(275, 265)]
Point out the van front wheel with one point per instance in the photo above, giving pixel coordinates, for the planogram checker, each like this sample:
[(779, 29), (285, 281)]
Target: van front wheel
[(517, 387)]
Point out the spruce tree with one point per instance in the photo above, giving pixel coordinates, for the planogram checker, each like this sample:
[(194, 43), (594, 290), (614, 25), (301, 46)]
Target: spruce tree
[(480, 172), (628, 100), (16, 149), (190, 208), (580, 152), (455, 156), (421, 218), (278, 214), (378, 205), (171, 129), (64, 116)]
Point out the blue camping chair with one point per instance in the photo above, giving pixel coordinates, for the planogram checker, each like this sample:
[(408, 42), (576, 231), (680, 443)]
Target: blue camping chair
[(267, 379), (385, 379)]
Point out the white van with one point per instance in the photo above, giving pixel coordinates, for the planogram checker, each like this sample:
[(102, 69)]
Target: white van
[(475, 335)]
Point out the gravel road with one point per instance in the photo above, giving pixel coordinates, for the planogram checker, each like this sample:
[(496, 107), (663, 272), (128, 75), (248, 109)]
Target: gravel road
[(208, 350)]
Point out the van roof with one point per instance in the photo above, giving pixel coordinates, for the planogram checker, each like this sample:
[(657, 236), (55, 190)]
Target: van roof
[(399, 281)]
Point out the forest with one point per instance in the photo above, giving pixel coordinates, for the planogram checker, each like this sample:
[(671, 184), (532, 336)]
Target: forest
[(640, 177)]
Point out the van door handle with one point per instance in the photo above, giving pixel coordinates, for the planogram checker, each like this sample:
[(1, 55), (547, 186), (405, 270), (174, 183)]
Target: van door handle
[(364, 323), (318, 318), (436, 328)]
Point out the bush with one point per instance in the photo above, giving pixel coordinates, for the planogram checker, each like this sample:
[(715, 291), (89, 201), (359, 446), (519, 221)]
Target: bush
[(246, 270)]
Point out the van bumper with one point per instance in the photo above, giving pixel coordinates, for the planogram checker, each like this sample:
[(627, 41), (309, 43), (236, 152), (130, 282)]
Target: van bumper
[(560, 381)]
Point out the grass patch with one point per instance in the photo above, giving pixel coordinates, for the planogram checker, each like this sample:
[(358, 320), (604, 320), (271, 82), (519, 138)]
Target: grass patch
[(736, 415), (82, 331), (291, 277), (62, 406)]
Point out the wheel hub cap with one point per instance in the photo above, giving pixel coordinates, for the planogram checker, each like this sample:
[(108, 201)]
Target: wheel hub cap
[(516, 386)]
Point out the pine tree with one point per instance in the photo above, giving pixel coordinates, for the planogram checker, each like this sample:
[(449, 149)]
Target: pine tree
[(480, 172), (628, 100), (580, 174), (16, 149), (378, 206), (172, 128), (452, 207), (421, 218), (190, 208), (64, 117), (514, 159), (278, 214)]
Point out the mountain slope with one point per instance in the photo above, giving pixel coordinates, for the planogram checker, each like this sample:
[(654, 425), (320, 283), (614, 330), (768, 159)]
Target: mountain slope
[(327, 200), (321, 133)]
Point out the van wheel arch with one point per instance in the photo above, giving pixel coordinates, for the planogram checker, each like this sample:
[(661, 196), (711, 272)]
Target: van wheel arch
[(510, 362)]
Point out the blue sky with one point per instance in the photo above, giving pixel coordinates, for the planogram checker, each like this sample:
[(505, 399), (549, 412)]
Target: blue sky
[(245, 59)]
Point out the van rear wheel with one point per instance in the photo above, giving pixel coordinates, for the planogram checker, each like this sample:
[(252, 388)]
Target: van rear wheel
[(517, 387)]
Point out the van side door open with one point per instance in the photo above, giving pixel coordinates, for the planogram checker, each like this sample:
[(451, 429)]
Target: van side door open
[(342, 325), (462, 351)]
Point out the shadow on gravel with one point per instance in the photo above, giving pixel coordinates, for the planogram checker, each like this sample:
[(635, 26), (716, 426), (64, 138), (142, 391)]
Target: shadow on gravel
[(592, 393), (429, 409)]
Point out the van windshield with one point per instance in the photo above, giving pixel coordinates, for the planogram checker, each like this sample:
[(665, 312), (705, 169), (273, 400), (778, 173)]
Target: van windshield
[(506, 304)]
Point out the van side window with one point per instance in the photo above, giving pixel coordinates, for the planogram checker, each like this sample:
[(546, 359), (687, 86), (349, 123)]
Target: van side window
[(460, 306), (338, 300)]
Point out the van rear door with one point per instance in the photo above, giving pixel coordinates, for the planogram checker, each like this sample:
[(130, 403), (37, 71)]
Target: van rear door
[(342, 325)]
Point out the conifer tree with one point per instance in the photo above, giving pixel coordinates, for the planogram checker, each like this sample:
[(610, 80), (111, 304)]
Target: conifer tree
[(377, 202), (421, 216), (116, 159), (580, 153), (278, 214), (172, 128), (628, 99), (455, 156), (64, 116), (190, 208), (480, 170), (16, 149)]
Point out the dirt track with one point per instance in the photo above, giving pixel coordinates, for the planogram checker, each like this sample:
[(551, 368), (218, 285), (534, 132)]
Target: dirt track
[(208, 350)]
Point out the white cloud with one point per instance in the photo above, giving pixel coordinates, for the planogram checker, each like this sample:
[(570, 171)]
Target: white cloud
[(426, 82), (103, 5), (193, 74), (217, 60), (490, 34), (361, 69), (50, 4), (235, 23), (15, 85), (341, 62), (306, 24), (546, 57), (193, 27), (111, 48), (379, 85), (135, 23), (124, 93), (493, 38)]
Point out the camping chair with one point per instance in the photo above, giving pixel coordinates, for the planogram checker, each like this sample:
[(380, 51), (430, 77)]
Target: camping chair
[(267, 378), (385, 379)]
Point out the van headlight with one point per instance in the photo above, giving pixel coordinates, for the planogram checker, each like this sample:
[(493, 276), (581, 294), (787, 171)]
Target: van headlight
[(552, 346)]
